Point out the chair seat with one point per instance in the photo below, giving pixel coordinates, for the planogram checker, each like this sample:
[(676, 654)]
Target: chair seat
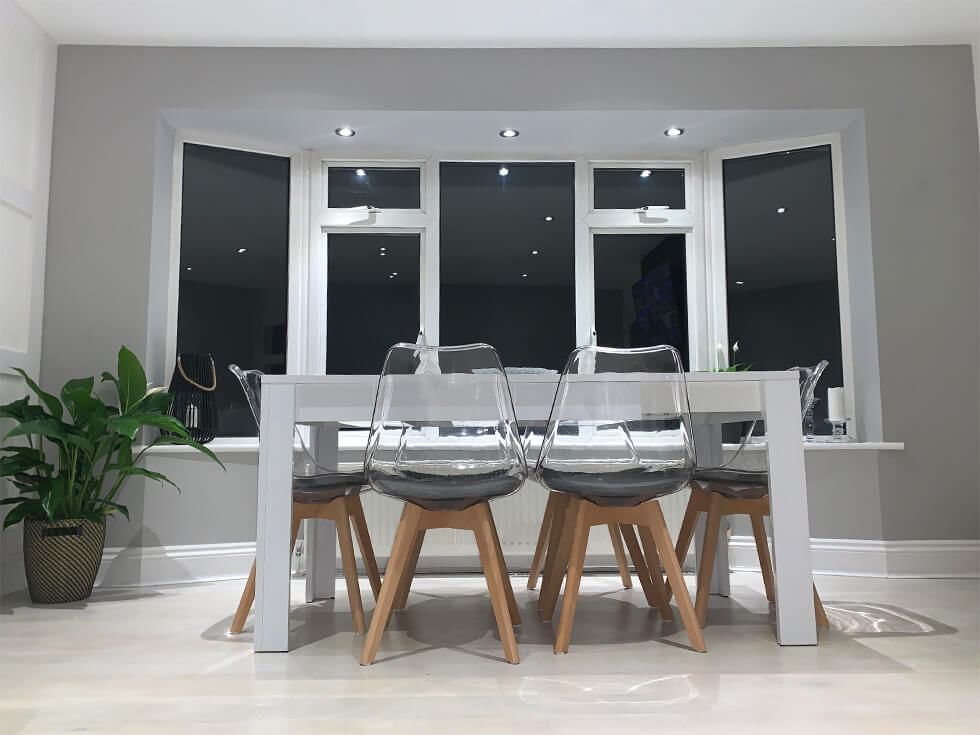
[(450, 492), (325, 487), (734, 483), (624, 488)]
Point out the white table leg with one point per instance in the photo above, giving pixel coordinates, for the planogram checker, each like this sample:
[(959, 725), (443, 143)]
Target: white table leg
[(321, 536), (707, 441), (274, 515), (795, 622)]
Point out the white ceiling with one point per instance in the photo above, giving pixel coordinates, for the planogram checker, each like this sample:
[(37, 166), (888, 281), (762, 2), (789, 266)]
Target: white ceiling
[(508, 23)]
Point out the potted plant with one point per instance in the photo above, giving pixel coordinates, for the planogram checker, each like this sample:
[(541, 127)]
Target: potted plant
[(69, 456)]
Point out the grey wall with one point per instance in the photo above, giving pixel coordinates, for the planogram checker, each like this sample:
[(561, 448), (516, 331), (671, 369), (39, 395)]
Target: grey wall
[(918, 281)]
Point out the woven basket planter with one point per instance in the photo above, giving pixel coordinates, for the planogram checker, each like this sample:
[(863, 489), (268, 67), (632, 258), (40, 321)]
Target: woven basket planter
[(62, 558)]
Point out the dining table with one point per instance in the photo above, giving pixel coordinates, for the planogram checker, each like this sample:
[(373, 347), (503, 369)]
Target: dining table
[(327, 402)]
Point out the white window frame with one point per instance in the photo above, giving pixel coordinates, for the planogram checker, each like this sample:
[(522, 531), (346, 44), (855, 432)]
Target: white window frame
[(717, 292)]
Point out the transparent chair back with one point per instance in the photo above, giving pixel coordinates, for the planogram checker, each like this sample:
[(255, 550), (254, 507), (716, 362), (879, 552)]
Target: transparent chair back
[(444, 434), (809, 377), (620, 427)]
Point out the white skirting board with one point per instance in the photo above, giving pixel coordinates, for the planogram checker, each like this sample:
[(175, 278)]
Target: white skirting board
[(163, 565)]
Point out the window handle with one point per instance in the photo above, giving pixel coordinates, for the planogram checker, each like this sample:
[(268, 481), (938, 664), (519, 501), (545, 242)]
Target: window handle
[(650, 208)]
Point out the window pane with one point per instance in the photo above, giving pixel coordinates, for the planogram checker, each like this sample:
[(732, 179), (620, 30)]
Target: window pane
[(372, 299), (508, 272), (632, 188), (385, 188), (641, 291), (233, 304), (783, 302)]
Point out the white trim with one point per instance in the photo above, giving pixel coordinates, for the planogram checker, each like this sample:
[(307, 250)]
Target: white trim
[(164, 565), (942, 559)]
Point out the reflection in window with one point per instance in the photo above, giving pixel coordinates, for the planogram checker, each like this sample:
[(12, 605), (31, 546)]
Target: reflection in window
[(641, 291), (783, 301), (385, 188), (632, 188), (372, 299), (234, 252), (507, 260)]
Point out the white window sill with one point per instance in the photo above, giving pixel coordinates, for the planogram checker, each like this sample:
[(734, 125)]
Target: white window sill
[(819, 445)]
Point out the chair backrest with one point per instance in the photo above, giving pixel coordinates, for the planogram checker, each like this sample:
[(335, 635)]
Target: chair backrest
[(444, 425), (251, 382), (809, 377), (621, 411)]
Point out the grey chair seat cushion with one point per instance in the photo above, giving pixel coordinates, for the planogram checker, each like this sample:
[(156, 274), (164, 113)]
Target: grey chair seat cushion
[(450, 492), (624, 488), (325, 487), (734, 483)]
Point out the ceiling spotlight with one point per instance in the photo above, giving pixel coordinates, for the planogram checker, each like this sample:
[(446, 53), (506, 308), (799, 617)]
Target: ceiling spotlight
[(382, 253), (645, 173), (509, 133), (739, 283), (673, 132), (345, 132), (523, 275), (360, 172), (394, 273), (503, 171), (241, 250), (390, 276), (549, 218), (188, 268), (534, 252), (781, 210)]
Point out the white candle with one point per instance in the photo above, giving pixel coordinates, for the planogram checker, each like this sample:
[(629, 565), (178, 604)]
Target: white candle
[(835, 404)]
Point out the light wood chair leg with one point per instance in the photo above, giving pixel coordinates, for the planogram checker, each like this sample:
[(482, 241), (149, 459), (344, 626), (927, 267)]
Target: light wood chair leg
[(820, 613), (707, 561), (639, 563), (513, 609), (620, 552), (248, 594), (661, 536), (364, 542), (404, 539), (576, 561), (413, 561), (653, 567), (535, 571), (350, 568), (495, 583), (762, 548), (556, 561), (686, 535)]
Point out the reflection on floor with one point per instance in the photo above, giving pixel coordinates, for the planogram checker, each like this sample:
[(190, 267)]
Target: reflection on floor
[(903, 656)]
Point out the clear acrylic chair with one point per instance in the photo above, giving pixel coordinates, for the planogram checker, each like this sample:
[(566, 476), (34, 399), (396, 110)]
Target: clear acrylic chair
[(724, 491), (618, 440), (319, 493), (444, 439)]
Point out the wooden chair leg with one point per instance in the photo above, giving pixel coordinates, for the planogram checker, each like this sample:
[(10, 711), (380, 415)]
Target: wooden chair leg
[(535, 571), (620, 552), (685, 535), (495, 582), (656, 578), (404, 539), (661, 536), (707, 560), (512, 608), (639, 563), (559, 544), (248, 594), (762, 548), (820, 613), (349, 564), (413, 561), (576, 562), (364, 542)]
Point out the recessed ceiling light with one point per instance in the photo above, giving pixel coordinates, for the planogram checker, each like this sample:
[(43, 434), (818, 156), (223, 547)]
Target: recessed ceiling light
[(188, 268), (361, 172), (739, 283), (534, 252), (390, 276), (503, 171), (645, 173), (509, 133), (673, 132), (780, 210), (242, 250), (549, 218), (345, 132), (523, 275), (394, 273)]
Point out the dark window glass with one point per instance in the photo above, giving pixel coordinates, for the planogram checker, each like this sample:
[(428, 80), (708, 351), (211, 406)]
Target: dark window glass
[(233, 305), (372, 299), (783, 302), (385, 188), (641, 291), (631, 188), (494, 288)]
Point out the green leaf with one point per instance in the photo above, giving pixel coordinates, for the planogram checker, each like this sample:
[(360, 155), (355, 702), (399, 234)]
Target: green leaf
[(188, 443), (79, 441), (77, 396), (156, 401), (124, 425), (162, 422), (111, 507), (23, 462), (15, 409), (143, 472), (52, 402), (131, 380), (26, 508), (49, 427), (124, 458)]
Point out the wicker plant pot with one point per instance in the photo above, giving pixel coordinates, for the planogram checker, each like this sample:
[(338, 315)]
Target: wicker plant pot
[(62, 558)]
